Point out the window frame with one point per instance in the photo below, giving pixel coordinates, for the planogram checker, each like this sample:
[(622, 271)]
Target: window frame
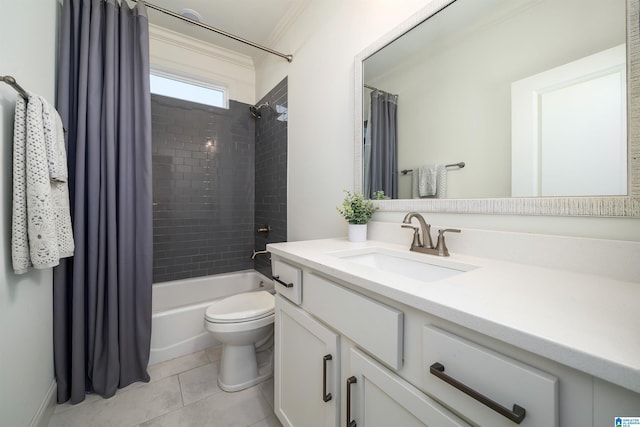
[(194, 82)]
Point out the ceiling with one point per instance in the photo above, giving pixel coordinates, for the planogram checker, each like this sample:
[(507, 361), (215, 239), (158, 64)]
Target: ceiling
[(260, 21)]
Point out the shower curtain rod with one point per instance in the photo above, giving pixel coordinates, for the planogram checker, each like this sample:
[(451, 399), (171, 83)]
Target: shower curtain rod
[(375, 88), (289, 58)]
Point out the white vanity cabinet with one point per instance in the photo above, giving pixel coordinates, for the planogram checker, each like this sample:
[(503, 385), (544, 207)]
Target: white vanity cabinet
[(376, 397), (306, 370), (392, 364), (374, 394), (308, 355)]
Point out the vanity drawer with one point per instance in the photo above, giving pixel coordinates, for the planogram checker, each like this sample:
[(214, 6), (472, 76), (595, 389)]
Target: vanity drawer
[(490, 378), (373, 326), (287, 280)]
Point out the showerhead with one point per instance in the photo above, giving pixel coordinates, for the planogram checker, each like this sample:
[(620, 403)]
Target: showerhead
[(255, 110)]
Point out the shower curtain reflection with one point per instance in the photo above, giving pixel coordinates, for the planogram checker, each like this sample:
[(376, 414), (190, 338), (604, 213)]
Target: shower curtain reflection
[(381, 146)]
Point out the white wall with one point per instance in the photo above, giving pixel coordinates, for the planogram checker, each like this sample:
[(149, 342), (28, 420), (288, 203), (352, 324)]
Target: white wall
[(177, 54), (324, 42), (27, 52)]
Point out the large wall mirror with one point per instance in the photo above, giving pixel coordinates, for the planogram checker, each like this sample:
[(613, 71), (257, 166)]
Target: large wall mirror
[(512, 107)]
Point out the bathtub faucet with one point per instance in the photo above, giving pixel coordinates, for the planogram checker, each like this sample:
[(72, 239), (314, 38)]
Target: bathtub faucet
[(256, 253)]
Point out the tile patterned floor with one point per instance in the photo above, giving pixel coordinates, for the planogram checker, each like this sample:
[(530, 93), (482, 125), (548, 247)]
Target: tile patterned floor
[(182, 392)]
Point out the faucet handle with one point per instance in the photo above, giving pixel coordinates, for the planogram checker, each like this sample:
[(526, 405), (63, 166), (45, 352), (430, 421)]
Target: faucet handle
[(416, 235), (441, 245), (450, 230)]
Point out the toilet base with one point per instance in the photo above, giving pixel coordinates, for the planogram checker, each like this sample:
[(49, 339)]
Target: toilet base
[(239, 368), (245, 385)]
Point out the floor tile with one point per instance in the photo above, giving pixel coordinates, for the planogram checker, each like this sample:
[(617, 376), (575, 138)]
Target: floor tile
[(165, 370), (199, 383), (270, 421), (179, 364), (62, 407), (267, 390), (182, 392), (126, 408), (264, 359), (240, 409)]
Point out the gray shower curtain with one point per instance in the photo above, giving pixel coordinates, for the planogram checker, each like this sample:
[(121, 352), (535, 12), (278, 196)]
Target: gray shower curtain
[(102, 296), (383, 135)]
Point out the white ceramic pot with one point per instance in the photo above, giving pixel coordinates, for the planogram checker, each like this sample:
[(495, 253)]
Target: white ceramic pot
[(357, 232)]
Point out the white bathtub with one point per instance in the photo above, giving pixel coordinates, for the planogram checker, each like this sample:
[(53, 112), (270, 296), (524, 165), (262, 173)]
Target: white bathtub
[(178, 308)]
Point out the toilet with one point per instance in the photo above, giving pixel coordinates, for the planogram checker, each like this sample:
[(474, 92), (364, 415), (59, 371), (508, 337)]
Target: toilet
[(241, 322)]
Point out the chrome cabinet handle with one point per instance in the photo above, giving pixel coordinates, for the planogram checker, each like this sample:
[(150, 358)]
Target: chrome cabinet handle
[(350, 422), (325, 396), (286, 285), (516, 415)]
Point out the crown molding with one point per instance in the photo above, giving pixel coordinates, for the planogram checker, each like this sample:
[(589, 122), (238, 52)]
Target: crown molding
[(284, 24), (182, 41), (287, 20)]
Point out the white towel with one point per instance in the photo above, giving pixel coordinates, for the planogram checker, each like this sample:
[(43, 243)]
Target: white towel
[(58, 172), (440, 182), (54, 142), (41, 224), (427, 175), (19, 235)]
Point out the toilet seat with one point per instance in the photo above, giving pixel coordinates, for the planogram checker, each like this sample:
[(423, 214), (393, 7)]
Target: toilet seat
[(243, 307)]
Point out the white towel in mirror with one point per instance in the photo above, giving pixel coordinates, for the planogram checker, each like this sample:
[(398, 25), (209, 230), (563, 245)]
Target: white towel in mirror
[(429, 181), (441, 182), (427, 175)]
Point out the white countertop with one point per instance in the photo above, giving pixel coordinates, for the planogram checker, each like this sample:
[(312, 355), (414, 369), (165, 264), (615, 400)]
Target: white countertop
[(584, 321)]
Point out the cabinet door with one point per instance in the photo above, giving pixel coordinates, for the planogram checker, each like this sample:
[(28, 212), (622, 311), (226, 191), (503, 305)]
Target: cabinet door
[(379, 398), (306, 369)]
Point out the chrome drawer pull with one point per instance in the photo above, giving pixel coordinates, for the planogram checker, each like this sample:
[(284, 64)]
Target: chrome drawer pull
[(286, 285), (350, 422), (325, 396), (516, 415)]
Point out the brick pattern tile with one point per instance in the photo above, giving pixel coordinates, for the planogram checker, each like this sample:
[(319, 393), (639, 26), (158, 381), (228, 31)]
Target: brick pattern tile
[(271, 175), (213, 186), (203, 188)]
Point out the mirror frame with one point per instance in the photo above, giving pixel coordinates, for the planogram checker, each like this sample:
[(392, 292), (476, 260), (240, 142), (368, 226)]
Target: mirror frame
[(610, 206)]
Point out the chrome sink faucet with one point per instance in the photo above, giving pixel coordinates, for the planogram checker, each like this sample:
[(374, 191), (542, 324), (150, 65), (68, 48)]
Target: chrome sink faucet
[(425, 244)]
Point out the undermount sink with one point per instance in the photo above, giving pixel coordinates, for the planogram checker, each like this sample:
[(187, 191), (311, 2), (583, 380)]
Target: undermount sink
[(416, 266)]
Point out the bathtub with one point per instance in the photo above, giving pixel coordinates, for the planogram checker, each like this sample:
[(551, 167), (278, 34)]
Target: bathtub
[(178, 308)]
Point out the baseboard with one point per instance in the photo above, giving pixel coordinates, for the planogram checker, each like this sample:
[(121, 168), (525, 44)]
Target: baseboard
[(45, 411)]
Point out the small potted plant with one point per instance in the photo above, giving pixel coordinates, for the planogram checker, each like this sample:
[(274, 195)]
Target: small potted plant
[(357, 211)]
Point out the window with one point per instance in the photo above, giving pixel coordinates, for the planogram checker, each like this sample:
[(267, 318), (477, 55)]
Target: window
[(188, 91)]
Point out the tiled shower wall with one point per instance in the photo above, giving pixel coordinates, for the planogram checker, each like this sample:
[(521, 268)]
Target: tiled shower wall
[(271, 173), (210, 195), (203, 188)]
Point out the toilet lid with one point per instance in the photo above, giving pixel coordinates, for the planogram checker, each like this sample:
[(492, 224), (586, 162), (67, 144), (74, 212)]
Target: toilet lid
[(241, 307)]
